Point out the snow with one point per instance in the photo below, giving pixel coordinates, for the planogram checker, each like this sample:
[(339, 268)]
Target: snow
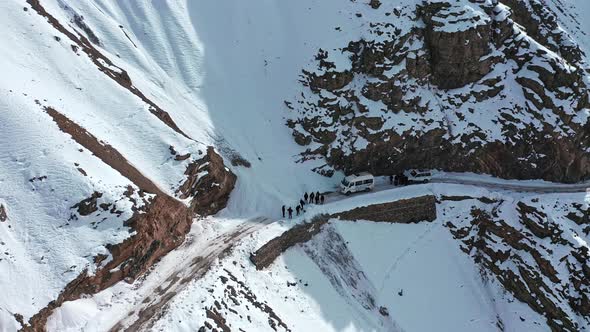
[(421, 260), (424, 262), (459, 17), (180, 57), (222, 71)]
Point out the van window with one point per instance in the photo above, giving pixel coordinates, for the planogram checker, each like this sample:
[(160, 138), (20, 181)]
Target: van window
[(344, 182), (358, 183), (369, 181)]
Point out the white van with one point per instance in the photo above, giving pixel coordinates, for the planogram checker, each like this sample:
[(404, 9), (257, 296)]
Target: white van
[(357, 182)]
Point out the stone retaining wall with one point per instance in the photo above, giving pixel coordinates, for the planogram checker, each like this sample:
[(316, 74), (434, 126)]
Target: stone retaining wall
[(402, 211), (301, 233)]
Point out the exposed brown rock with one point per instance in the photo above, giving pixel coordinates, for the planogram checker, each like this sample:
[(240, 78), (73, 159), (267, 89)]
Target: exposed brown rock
[(182, 157), (581, 216), (160, 227), (208, 184), (546, 30), (535, 221), (402, 211), (449, 58), (214, 315), (89, 205), (483, 199), (160, 224), (525, 281), (103, 151), (375, 4), (431, 150), (455, 56), (3, 214), (243, 291), (330, 80)]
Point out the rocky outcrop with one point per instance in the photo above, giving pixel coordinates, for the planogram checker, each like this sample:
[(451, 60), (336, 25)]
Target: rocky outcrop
[(405, 211), (514, 253), (160, 227), (89, 205), (209, 183), (105, 152), (458, 38), (3, 214), (238, 297), (160, 222), (428, 90), (542, 24), (103, 63)]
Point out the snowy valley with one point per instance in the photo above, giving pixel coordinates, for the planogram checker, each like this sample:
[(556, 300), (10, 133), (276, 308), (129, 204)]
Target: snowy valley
[(146, 149)]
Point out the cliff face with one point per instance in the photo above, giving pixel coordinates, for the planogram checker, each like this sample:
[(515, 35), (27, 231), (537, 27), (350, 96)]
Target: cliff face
[(535, 254), (454, 86), (456, 54)]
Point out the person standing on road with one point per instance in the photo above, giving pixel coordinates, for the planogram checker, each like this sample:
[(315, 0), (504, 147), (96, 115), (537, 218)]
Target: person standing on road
[(283, 211), (391, 179), (317, 197), (306, 197), (322, 199), (302, 204), (297, 208), (290, 210), (311, 197)]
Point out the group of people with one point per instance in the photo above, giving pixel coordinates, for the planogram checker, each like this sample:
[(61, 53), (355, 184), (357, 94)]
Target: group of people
[(311, 198), (399, 180)]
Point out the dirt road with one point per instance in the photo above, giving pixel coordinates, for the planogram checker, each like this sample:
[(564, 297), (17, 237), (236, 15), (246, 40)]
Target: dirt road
[(191, 266)]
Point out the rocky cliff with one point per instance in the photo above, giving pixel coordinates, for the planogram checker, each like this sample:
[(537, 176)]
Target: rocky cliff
[(534, 250), (493, 87)]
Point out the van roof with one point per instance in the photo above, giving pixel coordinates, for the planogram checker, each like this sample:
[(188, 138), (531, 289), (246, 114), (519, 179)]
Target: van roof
[(359, 175), (363, 174)]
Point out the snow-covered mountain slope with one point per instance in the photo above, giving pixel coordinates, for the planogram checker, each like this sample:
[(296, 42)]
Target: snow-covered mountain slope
[(121, 121), (154, 83), (452, 274)]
